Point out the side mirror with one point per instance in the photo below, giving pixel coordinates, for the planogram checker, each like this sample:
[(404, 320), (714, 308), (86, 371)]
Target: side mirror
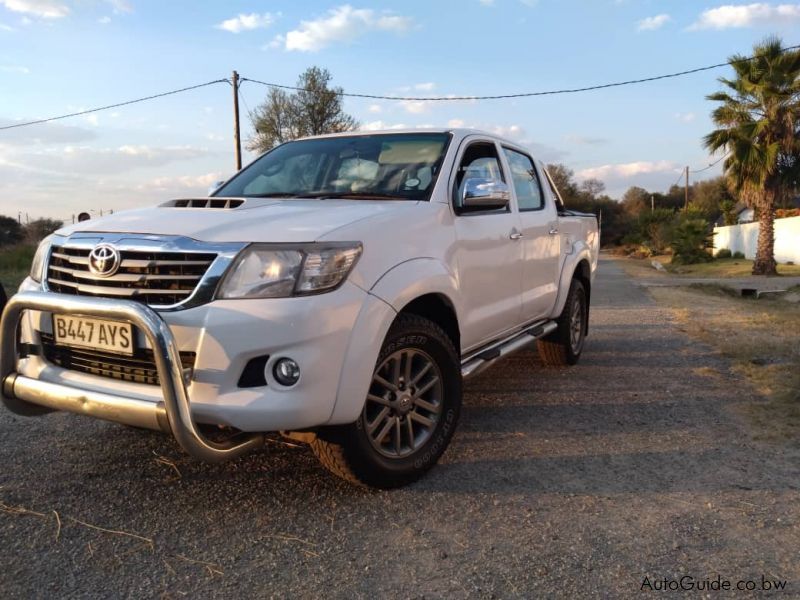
[(215, 186), (485, 194)]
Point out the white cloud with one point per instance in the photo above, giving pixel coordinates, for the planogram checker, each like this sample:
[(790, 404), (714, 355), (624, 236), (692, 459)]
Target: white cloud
[(415, 107), (425, 87), (243, 22), (456, 123), (374, 108), (652, 23), (381, 125), (486, 2), (746, 15), (685, 117), (512, 132), (343, 24), (44, 133), (20, 70), (585, 140), (178, 185), (104, 20), (628, 170), (4, 27), (277, 42), (120, 6), (105, 161), (47, 9)]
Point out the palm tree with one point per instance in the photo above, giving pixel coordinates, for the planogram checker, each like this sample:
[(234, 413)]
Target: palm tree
[(759, 129)]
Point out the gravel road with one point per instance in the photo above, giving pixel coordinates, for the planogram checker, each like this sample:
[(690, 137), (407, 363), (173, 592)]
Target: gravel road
[(559, 482)]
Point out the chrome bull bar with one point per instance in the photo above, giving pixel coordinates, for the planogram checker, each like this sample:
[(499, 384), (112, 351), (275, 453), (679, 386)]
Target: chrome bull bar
[(30, 397)]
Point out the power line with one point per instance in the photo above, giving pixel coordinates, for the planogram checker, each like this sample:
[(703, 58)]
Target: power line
[(520, 95), (118, 104), (385, 97), (714, 164)]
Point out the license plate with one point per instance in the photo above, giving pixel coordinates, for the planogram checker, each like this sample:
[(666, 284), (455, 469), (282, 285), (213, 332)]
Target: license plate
[(110, 336)]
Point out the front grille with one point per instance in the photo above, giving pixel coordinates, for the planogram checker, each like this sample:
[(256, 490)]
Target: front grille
[(139, 368), (153, 278)]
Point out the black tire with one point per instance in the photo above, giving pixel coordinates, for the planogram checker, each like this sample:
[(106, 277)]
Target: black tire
[(353, 452), (561, 347)]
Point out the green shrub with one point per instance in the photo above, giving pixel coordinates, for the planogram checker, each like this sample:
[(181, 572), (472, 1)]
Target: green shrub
[(655, 227), (723, 253), (690, 241), (738, 255)]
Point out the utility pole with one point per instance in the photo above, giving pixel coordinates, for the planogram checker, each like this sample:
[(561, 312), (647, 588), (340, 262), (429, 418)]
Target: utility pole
[(237, 141), (686, 191), (652, 203)]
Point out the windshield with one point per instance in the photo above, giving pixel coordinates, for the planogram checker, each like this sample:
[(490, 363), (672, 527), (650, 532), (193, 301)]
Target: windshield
[(401, 166)]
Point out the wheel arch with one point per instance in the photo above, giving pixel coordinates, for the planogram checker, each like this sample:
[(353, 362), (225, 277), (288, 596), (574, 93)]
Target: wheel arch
[(436, 307), (422, 286), (583, 273), (577, 266)]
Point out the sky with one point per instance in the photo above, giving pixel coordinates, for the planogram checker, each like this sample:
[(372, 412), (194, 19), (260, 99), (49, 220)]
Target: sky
[(63, 56)]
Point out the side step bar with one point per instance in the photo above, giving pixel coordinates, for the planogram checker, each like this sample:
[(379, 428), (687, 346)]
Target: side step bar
[(517, 341), (30, 397)]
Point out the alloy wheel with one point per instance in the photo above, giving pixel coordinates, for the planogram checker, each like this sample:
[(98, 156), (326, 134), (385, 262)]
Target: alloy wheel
[(404, 403)]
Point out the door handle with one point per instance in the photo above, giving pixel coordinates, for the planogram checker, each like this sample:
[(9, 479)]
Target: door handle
[(514, 235), (553, 231)]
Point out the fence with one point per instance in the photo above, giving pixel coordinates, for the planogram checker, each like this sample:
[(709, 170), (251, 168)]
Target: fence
[(744, 238)]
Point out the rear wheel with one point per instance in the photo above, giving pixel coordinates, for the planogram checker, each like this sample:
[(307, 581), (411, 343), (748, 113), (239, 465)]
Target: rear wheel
[(410, 412), (565, 344)]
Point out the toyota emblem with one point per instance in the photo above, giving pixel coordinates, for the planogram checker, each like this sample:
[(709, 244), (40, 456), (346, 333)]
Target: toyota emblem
[(104, 260)]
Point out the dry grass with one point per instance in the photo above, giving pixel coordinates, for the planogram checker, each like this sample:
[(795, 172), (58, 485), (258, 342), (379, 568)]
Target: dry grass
[(760, 337), (718, 268), (727, 267)]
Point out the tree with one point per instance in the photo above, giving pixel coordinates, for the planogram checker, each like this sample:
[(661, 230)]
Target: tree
[(592, 187), (563, 178), (758, 122), (635, 201), (314, 109), (712, 198), (37, 230), (10, 231)]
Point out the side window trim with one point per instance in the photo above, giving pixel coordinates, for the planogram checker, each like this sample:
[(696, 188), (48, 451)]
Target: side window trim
[(542, 195), (462, 150)]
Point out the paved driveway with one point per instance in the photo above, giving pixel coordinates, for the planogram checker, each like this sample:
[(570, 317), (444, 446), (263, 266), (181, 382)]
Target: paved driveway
[(559, 482)]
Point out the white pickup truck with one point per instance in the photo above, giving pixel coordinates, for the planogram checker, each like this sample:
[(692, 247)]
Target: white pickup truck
[(337, 290)]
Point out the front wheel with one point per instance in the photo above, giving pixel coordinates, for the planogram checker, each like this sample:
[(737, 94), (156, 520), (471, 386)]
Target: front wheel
[(410, 412)]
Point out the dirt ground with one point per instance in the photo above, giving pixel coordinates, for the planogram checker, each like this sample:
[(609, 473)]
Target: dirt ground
[(631, 468)]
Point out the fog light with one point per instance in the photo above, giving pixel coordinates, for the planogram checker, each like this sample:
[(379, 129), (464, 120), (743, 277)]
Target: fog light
[(286, 371)]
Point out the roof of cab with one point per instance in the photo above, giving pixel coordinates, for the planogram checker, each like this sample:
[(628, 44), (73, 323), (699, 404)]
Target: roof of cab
[(457, 132)]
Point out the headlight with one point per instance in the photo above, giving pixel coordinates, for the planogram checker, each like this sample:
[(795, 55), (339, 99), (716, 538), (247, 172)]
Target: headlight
[(37, 266), (279, 271)]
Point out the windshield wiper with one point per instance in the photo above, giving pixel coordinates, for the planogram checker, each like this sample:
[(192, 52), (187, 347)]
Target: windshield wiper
[(283, 195), (333, 195), (364, 195)]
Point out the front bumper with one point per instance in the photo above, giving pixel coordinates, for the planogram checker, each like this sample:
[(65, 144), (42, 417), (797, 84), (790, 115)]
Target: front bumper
[(28, 396), (315, 331), (225, 334)]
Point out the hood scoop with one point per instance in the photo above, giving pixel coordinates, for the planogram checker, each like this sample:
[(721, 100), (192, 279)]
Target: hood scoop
[(221, 203)]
